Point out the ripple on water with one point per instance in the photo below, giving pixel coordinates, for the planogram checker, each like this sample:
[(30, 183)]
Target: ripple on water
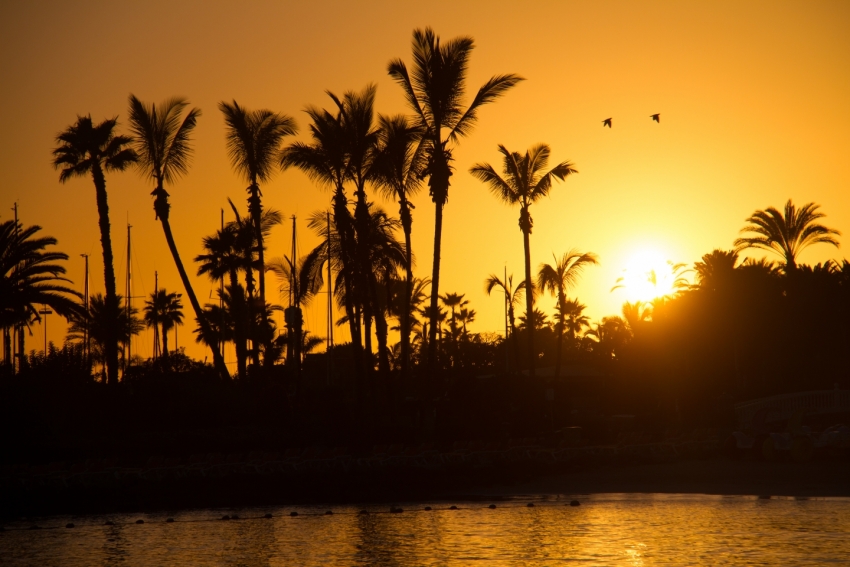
[(607, 529)]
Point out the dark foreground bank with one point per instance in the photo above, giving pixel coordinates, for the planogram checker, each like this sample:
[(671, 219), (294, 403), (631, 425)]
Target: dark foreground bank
[(708, 474)]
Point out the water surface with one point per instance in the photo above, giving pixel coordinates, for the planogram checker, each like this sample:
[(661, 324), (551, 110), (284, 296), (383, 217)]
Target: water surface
[(607, 529)]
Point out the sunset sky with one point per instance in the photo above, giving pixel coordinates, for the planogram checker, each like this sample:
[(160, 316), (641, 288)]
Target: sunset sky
[(754, 100)]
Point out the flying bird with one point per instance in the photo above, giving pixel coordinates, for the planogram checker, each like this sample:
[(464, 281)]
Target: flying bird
[(606, 122), (656, 117)]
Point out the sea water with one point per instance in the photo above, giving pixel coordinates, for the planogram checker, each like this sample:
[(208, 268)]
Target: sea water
[(606, 529)]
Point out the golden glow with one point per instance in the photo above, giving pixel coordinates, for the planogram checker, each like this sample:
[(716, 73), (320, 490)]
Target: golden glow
[(752, 99), (646, 276)]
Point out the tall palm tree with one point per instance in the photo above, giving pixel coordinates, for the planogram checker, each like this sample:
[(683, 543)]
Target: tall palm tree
[(385, 253), (163, 311), (161, 138), (511, 300), (523, 183), (557, 278), (434, 91), (87, 149), (325, 160), (30, 276), (397, 171), (786, 233), (253, 144)]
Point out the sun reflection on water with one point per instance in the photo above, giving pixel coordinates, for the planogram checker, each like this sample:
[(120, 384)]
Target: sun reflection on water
[(605, 530)]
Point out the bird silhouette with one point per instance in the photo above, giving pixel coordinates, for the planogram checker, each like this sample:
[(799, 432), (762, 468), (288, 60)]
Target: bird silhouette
[(656, 117), (606, 122)]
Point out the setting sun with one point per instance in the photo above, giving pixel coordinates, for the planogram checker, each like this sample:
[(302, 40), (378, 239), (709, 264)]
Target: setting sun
[(648, 275)]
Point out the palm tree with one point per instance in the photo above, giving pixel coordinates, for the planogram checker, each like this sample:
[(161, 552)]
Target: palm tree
[(511, 301), (384, 254), (716, 270), (101, 323), (161, 137), (788, 233), (557, 278), (524, 183), (87, 149), (30, 276), (163, 311), (224, 257), (608, 337), (397, 171), (434, 91), (253, 144), (326, 161), (574, 318)]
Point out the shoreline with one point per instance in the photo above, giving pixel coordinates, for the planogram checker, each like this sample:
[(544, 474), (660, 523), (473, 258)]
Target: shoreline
[(714, 476), (708, 475)]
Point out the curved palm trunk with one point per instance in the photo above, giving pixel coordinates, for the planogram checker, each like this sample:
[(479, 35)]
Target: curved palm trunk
[(529, 301), (111, 346), (162, 207)]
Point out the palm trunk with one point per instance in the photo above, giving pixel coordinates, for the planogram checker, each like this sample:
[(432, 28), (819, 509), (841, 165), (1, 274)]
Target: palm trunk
[(237, 308), (111, 346), (529, 302), (558, 350), (255, 208), (164, 342), (249, 314), (344, 232), (406, 222), (161, 206), (513, 336), (435, 289), (381, 332)]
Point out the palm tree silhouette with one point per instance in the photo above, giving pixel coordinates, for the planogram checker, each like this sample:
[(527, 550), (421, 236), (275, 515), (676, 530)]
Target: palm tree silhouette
[(524, 183), (326, 161), (30, 276), (253, 144), (434, 91), (163, 311), (557, 278), (383, 256), (104, 323), (397, 171), (87, 149), (161, 137), (224, 257), (788, 233), (512, 300), (574, 318)]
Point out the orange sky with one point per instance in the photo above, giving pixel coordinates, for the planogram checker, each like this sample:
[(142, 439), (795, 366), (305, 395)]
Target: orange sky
[(754, 100)]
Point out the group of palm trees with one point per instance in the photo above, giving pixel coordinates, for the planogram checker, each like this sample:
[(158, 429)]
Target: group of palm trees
[(358, 155)]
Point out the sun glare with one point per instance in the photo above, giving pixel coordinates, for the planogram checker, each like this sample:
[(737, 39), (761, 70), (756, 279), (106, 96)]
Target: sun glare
[(647, 275)]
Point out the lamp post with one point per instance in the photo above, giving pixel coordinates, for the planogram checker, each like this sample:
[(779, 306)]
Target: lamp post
[(45, 311)]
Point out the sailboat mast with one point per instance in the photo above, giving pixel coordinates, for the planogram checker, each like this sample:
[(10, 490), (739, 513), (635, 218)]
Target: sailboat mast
[(128, 301)]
